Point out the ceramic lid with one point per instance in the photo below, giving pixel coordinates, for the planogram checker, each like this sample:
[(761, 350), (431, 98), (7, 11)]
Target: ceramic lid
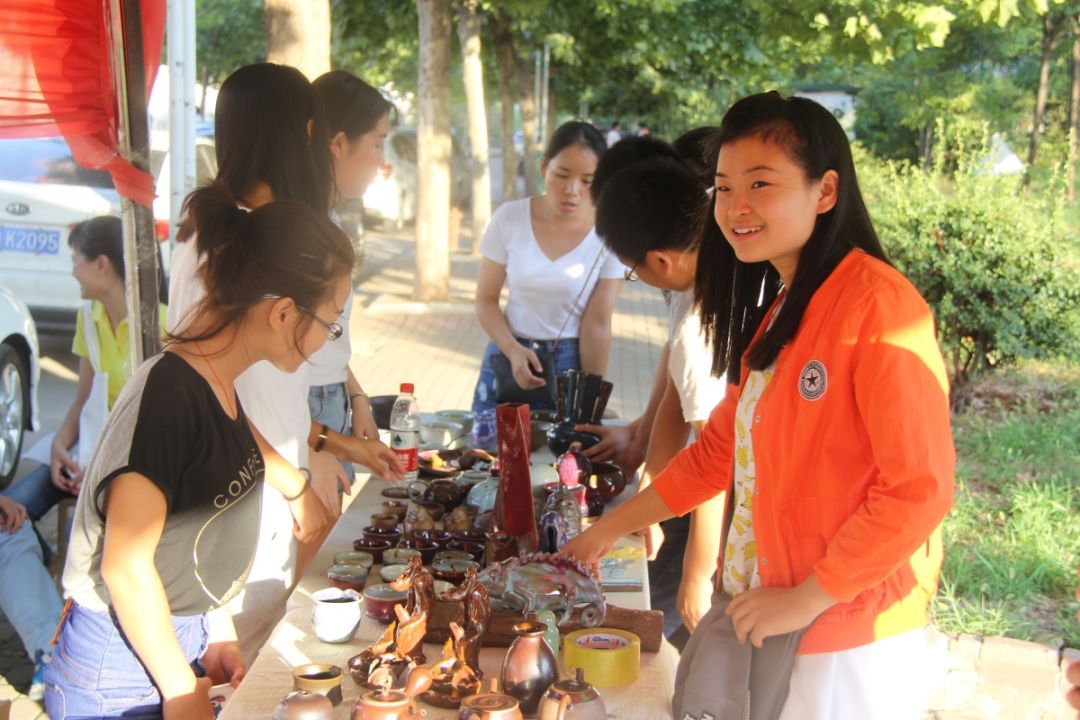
[(490, 702)]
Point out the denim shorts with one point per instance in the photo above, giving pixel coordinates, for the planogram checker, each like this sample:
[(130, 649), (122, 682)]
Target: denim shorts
[(95, 673), (329, 405), (566, 358)]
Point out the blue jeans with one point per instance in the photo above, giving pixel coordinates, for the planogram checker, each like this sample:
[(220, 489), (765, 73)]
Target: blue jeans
[(329, 405), (38, 495), (27, 594), (94, 673), (566, 358)]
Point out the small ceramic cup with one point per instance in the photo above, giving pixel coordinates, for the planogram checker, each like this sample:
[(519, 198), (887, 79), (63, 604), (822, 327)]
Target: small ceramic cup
[(347, 577), (379, 602), (453, 571), (375, 548), (399, 556), (452, 555), (373, 532), (426, 548), (321, 678), (439, 537), (390, 573), (353, 557), (384, 520), (475, 549), (397, 507), (335, 615)]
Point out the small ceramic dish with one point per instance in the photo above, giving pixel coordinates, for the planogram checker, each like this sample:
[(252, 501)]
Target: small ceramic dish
[(390, 573), (461, 417), (452, 570), (440, 433), (379, 602), (399, 555), (396, 492), (375, 548), (425, 548), (353, 557), (391, 534), (347, 577)]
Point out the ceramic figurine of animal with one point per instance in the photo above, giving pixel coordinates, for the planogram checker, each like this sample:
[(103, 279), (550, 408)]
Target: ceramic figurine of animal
[(542, 581)]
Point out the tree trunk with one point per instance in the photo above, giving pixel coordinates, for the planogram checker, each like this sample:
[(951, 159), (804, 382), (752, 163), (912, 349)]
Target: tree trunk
[(298, 34), (1051, 30), (504, 51), (1074, 112), (551, 114), (528, 130), (433, 151), (473, 72)]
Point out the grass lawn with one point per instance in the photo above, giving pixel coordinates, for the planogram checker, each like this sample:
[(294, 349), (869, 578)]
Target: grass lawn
[(1012, 541)]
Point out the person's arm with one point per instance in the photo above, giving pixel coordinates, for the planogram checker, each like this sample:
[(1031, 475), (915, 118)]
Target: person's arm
[(699, 559), (668, 437), (222, 660), (134, 519), (626, 445), (309, 515), (59, 457), (643, 509), (594, 340), (489, 287), (12, 514), (363, 419), (372, 454)]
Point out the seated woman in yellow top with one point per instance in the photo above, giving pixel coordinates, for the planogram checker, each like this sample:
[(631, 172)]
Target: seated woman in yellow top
[(97, 256)]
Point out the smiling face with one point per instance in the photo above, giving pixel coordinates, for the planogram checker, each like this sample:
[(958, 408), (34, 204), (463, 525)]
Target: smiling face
[(95, 277), (567, 178), (765, 204), (356, 162)]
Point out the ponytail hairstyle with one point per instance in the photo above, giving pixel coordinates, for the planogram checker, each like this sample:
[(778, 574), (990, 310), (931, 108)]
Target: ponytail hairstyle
[(350, 105), (733, 296), (269, 127), (283, 248)]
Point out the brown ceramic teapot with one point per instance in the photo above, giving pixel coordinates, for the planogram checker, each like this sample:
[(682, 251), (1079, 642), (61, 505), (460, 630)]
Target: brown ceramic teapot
[(491, 705), (386, 704)]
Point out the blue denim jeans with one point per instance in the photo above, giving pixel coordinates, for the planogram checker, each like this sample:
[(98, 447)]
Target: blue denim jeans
[(566, 358), (329, 404), (94, 672), (27, 594), (38, 495)]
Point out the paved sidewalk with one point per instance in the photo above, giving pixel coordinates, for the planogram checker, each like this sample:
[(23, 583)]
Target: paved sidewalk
[(437, 347)]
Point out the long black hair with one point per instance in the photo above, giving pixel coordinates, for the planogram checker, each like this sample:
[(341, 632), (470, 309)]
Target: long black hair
[(575, 132), (269, 127), (350, 105), (732, 295)]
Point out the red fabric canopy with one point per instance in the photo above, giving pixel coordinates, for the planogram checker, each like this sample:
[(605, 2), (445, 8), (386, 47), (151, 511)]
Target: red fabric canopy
[(57, 79)]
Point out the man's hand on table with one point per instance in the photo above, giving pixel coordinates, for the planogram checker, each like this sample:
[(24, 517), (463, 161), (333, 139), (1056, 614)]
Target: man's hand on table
[(328, 481), (617, 444), (224, 663), (372, 454)]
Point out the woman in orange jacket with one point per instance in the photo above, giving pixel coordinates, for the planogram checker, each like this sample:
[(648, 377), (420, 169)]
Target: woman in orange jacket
[(834, 439)]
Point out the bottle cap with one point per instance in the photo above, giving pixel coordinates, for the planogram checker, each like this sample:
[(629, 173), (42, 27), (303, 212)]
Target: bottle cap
[(407, 388)]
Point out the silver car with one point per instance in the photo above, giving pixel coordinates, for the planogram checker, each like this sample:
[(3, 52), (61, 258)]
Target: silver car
[(19, 374)]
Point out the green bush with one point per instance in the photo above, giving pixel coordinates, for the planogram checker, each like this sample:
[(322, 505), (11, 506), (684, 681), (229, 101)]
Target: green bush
[(994, 263)]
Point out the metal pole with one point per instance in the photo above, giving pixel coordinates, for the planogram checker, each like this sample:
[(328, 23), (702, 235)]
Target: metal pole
[(140, 250), (537, 138), (181, 57)]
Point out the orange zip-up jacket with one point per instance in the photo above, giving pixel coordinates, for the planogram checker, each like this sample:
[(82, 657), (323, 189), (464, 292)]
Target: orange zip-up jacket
[(854, 457)]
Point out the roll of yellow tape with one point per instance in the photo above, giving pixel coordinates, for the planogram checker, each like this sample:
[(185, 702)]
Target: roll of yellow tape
[(609, 657)]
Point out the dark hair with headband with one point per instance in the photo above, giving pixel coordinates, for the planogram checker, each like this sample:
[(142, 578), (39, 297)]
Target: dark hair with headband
[(282, 248)]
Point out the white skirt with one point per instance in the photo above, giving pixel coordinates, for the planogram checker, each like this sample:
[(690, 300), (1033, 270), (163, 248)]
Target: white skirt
[(880, 681)]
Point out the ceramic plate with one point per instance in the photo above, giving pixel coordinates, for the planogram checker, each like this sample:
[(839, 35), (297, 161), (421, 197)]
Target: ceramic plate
[(398, 492)]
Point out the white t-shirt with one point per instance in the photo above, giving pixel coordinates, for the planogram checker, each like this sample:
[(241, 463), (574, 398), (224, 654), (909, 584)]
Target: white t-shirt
[(690, 359), (327, 365), (613, 136), (543, 292)]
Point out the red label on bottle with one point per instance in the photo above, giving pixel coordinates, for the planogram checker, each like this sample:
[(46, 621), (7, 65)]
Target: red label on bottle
[(410, 458)]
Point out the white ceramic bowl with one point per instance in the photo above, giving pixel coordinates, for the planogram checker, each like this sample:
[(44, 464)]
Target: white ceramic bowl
[(440, 433), (464, 418)]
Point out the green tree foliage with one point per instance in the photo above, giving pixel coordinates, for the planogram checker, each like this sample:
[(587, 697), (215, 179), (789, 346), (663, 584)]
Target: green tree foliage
[(229, 34), (998, 275)]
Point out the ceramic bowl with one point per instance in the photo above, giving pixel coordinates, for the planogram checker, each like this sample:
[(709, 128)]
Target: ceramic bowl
[(440, 433), (397, 507), (470, 535), (379, 602), (482, 495), (347, 577), (560, 437), (452, 570), (441, 586), (385, 520), (321, 678), (399, 556), (439, 537), (375, 548), (375, 532), (425, 548), (434, 509), (475, 549), (390, 573), (353, 557), (461, 417), (452, 555)]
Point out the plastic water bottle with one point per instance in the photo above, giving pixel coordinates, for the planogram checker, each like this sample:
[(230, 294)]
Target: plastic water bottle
[(405, 431)]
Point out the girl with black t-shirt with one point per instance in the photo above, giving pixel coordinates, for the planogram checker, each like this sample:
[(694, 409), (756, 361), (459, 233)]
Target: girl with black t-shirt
[(167, 523)]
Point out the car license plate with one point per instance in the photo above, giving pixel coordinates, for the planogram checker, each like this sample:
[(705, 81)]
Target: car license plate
[(39, 241)]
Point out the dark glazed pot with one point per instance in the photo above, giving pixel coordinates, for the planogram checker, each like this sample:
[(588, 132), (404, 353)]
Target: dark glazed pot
[(607, 479), (563, 434), (529, 667)]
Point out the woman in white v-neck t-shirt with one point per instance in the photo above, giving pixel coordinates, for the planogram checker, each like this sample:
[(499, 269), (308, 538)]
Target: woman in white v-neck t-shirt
[(562, 282)]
